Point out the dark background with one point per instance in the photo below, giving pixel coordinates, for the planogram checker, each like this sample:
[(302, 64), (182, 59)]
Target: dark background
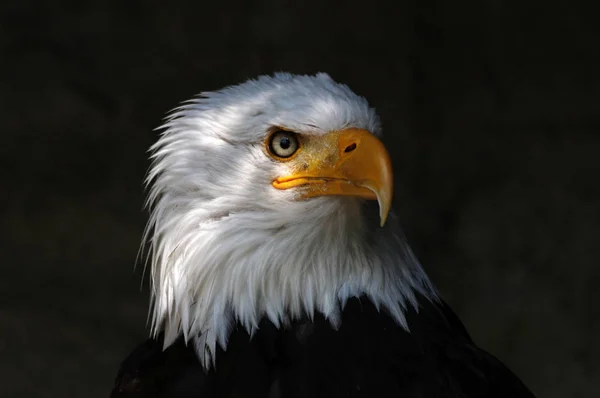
[(492, 115)]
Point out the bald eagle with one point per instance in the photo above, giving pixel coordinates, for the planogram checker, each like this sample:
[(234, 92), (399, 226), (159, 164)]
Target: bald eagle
[(279, 269)]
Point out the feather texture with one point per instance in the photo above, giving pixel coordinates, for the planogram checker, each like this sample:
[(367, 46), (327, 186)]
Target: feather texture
[(226, 248), (368, 356)]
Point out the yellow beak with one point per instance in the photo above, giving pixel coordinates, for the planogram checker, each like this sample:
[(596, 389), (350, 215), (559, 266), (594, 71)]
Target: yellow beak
[(351, 162)]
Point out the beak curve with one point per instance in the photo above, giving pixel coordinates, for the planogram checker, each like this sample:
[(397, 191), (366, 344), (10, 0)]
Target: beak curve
[(351, 162)]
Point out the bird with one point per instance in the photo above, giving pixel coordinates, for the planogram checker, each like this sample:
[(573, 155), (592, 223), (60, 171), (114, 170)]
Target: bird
[(278, 267)]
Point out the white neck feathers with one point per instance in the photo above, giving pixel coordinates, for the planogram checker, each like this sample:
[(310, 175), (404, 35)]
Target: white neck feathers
[(239, 267)]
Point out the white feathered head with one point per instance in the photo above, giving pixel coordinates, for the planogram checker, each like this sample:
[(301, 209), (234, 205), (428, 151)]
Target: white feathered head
[(260, 196)]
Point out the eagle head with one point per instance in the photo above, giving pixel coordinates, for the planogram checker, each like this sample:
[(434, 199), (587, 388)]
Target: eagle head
[(269, 199)]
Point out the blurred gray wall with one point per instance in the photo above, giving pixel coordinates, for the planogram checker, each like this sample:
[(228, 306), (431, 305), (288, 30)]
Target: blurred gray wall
[(490, 109)]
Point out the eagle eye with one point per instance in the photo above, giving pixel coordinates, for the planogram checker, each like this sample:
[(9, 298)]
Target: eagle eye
[(283, 144)]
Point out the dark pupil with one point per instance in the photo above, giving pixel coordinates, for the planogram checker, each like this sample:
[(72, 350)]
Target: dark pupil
[(285, 143)]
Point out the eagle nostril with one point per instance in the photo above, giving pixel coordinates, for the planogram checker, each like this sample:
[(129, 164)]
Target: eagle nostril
[(350, 148)]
